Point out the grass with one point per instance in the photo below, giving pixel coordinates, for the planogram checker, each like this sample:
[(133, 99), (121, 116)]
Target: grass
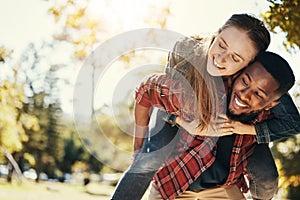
[(29, 190)]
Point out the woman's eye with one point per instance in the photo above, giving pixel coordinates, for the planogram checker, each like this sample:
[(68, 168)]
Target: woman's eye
[(221, 45), (235, 59)]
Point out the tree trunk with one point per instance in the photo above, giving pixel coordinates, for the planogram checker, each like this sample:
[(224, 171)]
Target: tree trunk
[(14, 166)]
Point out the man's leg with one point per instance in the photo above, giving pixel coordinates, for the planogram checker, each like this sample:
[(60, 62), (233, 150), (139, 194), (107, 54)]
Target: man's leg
[(263, 173), (135, 181)]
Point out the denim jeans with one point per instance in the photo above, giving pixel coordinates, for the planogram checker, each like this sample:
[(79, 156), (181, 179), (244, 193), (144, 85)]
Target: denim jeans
[(163, 139), (263, 173), (158, 146)]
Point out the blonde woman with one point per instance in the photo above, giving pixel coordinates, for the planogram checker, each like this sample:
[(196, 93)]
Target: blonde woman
[(196, 61)]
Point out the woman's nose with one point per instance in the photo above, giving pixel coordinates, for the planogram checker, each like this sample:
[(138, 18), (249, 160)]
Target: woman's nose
[(222, 57)]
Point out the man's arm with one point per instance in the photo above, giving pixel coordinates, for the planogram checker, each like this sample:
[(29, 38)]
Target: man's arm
[(286, 122)]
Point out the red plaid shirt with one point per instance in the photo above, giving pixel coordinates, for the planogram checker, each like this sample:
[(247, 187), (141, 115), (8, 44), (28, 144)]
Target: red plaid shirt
[(180, 171)]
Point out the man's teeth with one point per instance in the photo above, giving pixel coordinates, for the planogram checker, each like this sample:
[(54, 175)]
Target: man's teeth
[(239, 103)]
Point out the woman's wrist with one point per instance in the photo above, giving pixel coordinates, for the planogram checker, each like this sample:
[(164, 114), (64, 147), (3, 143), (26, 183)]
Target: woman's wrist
[(171, 119)]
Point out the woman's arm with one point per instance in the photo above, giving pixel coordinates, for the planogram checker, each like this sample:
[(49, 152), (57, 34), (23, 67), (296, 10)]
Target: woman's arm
[(154, 91), (142, 117), (219, 127)]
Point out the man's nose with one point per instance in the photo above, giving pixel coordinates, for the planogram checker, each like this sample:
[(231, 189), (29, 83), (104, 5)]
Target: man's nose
[(245, 94)]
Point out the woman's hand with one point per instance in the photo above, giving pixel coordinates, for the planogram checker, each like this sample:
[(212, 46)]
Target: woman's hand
[(228, 126), (212, 130), (219, 127)]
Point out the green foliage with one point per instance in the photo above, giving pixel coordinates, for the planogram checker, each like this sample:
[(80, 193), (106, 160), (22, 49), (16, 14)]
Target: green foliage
[(106, 142), (84, 29), (80, 29), (14, 122), (31, 125), (285, 15), (75, 154), (287, 156)]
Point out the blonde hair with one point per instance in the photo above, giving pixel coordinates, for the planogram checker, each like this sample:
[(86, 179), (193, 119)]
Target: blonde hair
[(189, 59)]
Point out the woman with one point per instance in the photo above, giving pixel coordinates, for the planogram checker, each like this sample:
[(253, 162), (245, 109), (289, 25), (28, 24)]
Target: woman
[(231, 49)]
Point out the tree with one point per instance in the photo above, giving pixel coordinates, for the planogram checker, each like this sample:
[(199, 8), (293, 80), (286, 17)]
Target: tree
[(284, 16), (14, 120), (42, 101), (84, 31)]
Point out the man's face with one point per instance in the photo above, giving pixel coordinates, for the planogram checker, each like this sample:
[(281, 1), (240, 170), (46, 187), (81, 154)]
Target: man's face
[(253, 90)]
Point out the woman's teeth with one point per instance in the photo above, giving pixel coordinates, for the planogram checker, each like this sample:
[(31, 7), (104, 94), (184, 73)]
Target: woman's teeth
[(217, 64)]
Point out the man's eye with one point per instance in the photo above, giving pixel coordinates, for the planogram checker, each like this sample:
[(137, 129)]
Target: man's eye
[(244, 81), (258, 95)]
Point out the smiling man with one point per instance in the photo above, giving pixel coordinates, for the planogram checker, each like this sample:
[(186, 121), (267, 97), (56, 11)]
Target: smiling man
[(219, 173), (259, 86)]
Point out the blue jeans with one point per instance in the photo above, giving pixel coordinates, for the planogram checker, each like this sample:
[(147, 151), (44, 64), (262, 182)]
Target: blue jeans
[(163, 139), (263, 173)]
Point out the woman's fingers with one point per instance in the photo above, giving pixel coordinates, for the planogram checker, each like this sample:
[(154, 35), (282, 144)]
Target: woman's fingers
[(220, 121), (226, 131), (223, 116)]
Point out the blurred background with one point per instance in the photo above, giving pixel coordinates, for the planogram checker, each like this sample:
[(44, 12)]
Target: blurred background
[(43, 46)]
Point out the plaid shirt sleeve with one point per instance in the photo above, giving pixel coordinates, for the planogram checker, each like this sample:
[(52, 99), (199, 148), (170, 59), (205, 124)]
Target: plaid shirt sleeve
[(161, 91)]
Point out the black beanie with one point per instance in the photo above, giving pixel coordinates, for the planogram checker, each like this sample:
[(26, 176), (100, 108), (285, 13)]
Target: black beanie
[(279, 68)]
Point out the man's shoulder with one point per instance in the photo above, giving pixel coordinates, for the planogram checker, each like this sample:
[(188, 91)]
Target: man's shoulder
[(263, 115)]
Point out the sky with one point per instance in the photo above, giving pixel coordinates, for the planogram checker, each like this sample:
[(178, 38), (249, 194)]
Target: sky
[(28, 21)]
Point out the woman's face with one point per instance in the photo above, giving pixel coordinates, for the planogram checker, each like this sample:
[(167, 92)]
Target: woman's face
[(230, 51)]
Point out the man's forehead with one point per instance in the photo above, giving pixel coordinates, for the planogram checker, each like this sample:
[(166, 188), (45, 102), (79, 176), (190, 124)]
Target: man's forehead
[(256, 72), (257, 69), (255, 66)]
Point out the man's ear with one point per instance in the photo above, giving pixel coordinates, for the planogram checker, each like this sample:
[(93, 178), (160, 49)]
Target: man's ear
[(272, 104)]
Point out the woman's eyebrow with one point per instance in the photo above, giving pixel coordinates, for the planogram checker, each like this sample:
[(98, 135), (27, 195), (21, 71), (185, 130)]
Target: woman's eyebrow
[(238, 55)]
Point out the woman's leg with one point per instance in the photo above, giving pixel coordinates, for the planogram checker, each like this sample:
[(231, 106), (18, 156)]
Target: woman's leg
[(155, 151), (263, 173)]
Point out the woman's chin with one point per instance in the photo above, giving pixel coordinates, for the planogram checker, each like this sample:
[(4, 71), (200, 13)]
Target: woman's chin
[(214, 71)]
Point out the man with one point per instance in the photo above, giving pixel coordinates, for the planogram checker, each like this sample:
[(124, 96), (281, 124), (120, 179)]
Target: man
[(256, 89), (142, 171), (136, 180)]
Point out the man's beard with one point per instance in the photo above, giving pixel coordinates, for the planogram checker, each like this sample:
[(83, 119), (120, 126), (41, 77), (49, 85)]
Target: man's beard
[(244, 118)]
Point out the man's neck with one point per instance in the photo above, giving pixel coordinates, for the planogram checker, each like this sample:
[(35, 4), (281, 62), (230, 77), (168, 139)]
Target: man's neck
[(244, 118)]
